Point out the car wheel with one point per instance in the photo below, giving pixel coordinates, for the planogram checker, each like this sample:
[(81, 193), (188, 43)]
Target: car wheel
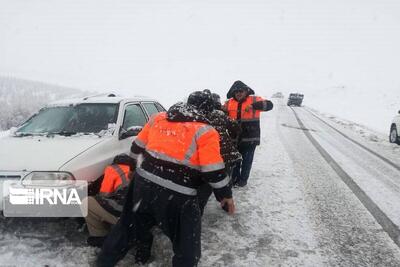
[(393, 137)]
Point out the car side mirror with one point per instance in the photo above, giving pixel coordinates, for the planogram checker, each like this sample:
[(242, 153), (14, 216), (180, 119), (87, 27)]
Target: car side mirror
[(398, 112), (132, 131)]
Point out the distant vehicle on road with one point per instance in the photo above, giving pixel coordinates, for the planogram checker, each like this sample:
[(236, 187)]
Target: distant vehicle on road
[(295, 99), (395, 130), (277, 95)]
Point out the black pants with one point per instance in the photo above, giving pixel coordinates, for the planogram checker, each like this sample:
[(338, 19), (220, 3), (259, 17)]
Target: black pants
[(241, 171), (177, 215)]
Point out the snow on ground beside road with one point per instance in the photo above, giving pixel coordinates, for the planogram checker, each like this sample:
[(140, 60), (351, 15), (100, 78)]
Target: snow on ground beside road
[(361, 130), (370, 138), (375, 110)]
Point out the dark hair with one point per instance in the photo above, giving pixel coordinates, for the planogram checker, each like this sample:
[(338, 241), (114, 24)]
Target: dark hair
[(216, 100), (124, 159), (201, 100)]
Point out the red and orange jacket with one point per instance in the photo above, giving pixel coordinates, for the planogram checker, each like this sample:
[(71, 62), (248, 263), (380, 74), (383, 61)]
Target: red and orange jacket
[(114, 188), (116, 176), (180, 152)]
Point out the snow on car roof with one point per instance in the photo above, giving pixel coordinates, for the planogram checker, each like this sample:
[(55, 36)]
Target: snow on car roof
[(98, 99)]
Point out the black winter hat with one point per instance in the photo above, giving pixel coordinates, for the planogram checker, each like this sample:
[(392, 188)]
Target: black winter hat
[(201, 100), (237, 86), (217, 100), (124, 159)]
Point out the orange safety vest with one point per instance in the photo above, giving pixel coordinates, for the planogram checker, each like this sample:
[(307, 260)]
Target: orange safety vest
[(116, 176), (251, 115), (190, 144)]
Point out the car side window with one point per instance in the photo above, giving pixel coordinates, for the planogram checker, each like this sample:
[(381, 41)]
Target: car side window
[(134, 116), (159, 107), (150, 108)]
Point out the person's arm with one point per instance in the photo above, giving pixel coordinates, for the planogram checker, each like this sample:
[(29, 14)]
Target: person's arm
[(213, 169), (262, 104), (140, 142), (224, 107), (233, 128), (107, 185)]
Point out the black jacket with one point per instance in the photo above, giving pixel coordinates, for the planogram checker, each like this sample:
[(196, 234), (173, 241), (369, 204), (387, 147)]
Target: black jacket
[(229, 131)]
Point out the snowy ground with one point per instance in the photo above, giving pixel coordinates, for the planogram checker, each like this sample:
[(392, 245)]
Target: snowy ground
[(296, 211), (375, 110)]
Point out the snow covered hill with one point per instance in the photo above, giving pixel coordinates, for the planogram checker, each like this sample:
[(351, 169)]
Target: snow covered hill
[(20, 98)]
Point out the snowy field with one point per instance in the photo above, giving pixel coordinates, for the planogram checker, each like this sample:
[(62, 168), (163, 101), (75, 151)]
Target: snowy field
[(295, 210)]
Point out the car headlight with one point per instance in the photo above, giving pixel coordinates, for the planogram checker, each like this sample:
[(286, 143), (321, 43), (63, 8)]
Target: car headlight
[(48, 179), (58, 176)]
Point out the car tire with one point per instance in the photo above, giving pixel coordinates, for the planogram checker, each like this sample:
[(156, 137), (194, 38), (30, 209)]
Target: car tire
[(393, 136)]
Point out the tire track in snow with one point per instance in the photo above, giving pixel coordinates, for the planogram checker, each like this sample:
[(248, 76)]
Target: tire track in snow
[(384, 221), (394, 165)]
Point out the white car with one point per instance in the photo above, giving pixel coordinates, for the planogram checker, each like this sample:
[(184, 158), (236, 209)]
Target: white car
[(74, 139), (395, 130)]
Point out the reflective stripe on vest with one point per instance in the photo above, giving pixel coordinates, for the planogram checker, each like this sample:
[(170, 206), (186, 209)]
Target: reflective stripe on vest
[(114, 204), (140, 143), (204, 168), (189, 153), (166, 183), (221, 184), (193, 146), (162, 156), (233, 105), (133, 155), (121, 173)]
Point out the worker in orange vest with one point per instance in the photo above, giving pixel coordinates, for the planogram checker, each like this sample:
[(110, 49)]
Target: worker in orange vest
[(243, 106), (177, 151), (105, 208)]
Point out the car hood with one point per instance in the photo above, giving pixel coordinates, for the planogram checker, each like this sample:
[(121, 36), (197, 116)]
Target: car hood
[(42, 153)]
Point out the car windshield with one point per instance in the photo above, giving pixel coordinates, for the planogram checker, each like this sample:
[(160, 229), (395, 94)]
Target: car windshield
[(69, 120)]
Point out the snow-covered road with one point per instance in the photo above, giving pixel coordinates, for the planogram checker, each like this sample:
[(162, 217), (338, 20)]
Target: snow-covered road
[(295, 211)]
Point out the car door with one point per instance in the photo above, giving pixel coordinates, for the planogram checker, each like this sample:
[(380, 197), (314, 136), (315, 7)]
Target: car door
[(134, 115)]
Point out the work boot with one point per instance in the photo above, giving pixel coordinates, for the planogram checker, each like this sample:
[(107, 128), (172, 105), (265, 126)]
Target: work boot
[(240, 183)]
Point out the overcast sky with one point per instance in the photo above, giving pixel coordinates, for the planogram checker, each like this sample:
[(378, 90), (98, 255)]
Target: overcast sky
[(166, 49)]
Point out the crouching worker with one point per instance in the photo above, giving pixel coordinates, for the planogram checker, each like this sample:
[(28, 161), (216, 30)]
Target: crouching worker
[(178, 151), (105, 208)]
